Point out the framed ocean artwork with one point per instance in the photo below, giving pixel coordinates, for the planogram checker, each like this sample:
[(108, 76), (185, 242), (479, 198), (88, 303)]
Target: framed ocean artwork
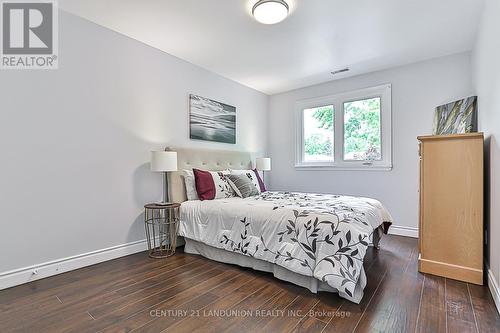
[(456, 117), (210, 120)]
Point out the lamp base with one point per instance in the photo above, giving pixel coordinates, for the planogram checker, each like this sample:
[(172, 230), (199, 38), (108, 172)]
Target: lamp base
[(163, 203), (165, 198)]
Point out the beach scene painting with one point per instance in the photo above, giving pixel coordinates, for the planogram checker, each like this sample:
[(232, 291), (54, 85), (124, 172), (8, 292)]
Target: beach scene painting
[(456, 117), (211, 121)]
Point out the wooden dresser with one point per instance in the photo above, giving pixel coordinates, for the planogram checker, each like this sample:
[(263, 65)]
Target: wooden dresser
[(451, 206)]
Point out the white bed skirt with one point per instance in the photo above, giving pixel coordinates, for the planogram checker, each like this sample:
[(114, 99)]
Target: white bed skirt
[(311, 283)]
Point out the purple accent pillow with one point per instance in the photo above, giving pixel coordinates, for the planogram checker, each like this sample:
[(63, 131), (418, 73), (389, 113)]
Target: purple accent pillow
[(205, 185), (261, 183)]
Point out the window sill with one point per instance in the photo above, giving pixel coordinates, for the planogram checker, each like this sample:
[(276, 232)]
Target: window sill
[(330, 167)]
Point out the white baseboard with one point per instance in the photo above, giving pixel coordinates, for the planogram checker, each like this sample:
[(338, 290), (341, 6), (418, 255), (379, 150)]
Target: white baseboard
[(403, 231), (495, 291), (27, 274)]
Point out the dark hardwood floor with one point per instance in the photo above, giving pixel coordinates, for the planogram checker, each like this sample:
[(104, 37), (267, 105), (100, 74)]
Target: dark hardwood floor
[(187, 293)]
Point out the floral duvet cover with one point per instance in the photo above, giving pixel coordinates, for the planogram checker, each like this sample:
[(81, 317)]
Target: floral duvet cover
[(318, 235)]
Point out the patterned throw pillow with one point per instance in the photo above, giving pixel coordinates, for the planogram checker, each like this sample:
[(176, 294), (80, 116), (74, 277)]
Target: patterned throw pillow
[(189, 182), (242, 185), (253, 176), (212, 184)]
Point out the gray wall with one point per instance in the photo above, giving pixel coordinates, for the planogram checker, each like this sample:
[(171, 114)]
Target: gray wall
[(75, 141), (487, 81), (416, 90)]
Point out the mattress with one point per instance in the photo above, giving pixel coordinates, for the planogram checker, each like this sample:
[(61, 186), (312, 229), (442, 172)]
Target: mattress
[(319, 237)]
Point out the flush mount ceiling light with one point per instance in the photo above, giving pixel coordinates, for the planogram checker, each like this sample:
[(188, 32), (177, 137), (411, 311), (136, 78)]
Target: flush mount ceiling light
[(270, 11)]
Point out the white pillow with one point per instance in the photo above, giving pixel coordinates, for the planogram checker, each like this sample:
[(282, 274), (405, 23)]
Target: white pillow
[(190, 185), (250, 174)]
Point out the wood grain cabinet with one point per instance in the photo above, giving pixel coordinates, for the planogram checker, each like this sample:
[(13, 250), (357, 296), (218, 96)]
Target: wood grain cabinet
[(451, 206)]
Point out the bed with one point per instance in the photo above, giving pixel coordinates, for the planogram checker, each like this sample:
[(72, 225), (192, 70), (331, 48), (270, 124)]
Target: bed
[(317, 241)]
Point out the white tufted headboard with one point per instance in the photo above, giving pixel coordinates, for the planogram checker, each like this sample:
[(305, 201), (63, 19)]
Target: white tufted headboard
[(204, 159)]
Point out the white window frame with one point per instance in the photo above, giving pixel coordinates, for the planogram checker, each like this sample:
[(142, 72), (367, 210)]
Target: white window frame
[(338, 100)]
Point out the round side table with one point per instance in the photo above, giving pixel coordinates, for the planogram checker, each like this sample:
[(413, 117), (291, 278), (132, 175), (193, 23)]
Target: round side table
[(161, 222)]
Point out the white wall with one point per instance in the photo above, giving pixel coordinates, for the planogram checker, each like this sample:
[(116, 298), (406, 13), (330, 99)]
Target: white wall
[(416, 90), (487, 81), (75, 142)]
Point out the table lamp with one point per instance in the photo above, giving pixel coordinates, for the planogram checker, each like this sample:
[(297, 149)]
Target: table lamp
[(164, 161), (263, 164)]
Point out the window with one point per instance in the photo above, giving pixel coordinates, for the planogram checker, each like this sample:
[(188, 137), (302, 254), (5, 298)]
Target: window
[(346, 131), (362, 139), (318, 134)]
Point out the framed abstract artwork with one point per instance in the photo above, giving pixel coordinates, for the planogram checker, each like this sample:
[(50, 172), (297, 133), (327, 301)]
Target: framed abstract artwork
[(456, 117), (210, 120)]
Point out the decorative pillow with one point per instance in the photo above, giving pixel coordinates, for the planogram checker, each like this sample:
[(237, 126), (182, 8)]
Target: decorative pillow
[(262, 186), (252, 175), (242, 185), (212, 184), (190, 185)]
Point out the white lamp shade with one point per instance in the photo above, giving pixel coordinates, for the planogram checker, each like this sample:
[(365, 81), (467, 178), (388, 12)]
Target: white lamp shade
[(263, 164), (163, 161)]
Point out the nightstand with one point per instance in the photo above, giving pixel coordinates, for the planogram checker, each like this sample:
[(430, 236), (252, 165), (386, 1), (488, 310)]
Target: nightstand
[(161, 222)]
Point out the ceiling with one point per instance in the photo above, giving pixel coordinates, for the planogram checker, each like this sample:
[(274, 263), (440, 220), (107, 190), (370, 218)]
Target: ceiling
[(319, 36)]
